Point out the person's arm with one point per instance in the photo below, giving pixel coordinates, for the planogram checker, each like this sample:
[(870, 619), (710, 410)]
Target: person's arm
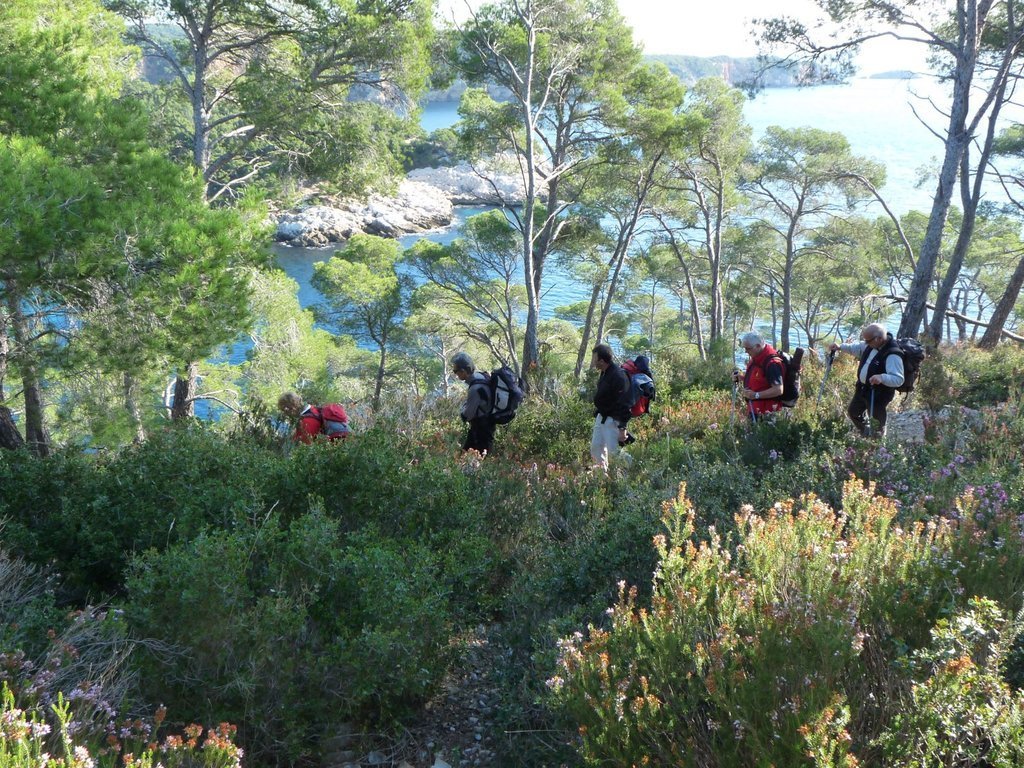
[(773, 373), (621, 412), (476, 401), (894, 373), (856, 348)]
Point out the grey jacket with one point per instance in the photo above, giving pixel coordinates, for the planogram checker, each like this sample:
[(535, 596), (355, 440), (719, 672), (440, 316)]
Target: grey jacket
[(478, 400)]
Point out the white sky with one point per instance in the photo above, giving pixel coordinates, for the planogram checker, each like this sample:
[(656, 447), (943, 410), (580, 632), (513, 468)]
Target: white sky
[(715, 27)]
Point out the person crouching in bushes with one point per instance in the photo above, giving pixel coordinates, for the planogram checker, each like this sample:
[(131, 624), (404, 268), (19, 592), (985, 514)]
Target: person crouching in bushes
[(611, 407), (762, 381), (879, 373), (476, 411), (330, 420)]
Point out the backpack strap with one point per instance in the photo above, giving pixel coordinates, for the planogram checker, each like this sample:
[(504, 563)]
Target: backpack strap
[(317, 414)]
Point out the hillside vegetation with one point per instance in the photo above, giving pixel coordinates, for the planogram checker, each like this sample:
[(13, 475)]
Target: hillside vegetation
[(816, 599)]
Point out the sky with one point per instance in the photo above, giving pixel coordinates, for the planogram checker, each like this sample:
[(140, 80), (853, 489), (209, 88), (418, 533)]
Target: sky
[(720, 27)]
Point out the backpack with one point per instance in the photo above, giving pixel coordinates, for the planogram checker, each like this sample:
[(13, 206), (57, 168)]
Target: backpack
[(790, 375), (913, 355), (506, 391), (333, 420), (641, 385)]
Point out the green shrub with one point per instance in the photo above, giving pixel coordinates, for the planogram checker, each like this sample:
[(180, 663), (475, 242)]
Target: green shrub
[(960, 711), (783, 644), (287, 630), (89, 513)]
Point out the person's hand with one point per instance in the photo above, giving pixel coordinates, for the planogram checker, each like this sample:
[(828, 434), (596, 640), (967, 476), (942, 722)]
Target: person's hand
[(622, 434), (833, 347), (875, 380), (749, 394), (737, 376)]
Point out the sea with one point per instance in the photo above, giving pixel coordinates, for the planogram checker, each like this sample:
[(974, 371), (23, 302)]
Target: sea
[(893, 121)]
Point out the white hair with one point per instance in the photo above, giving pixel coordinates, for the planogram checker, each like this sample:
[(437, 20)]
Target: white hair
[(752, 339)]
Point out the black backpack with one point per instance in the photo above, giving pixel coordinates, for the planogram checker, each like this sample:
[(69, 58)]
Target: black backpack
[(790, 376), (506, 390), (913, 355)]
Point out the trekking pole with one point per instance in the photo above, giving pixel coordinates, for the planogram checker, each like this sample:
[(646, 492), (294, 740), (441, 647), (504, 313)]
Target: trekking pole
[(732, 411), (871, 410), (824, 378)]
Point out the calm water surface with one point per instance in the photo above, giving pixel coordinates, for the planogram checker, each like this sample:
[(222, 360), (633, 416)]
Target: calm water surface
[(875, 115)]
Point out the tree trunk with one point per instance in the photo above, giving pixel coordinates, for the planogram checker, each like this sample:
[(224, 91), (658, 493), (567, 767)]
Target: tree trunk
[(957, 139), (131, 405), (184, 405), (10, 438), (1003, 308), (36, 436), (588, 324), (378, 383), (970, 196)]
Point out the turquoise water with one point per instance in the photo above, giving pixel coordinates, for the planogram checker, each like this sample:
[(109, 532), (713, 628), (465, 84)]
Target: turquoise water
[(876, 116)]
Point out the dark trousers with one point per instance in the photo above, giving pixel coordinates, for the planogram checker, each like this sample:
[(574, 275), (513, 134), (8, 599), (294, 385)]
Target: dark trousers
[(861, 404), (480, 436)]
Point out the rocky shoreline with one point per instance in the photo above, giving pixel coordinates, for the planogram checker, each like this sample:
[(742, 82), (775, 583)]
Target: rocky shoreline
[(425, 201)]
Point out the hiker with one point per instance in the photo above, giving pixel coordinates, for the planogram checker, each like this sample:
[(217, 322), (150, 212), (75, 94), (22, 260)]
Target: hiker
[(477, 408), (763, 379), (611, 407), (330, 420), (879, 373)]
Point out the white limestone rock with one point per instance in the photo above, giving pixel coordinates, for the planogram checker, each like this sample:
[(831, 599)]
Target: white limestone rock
[(494, 183), (906, 427), (416, 208)]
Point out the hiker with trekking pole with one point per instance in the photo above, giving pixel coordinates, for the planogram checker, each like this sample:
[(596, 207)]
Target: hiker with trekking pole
[(763, 379), (879, 374)]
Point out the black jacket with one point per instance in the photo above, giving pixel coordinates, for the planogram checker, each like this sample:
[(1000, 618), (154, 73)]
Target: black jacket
[(612, 397)]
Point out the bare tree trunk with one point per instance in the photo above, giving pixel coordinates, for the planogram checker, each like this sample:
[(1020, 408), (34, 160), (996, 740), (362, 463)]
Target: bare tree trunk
[(131, 405), (36, 436), (588, 324), (970, 196), (184, 406), (1003, 308), (957, 140), (10, 438), (531, 346), (378, 384)]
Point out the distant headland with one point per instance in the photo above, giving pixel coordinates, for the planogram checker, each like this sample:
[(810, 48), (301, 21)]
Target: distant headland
[(689, 69)]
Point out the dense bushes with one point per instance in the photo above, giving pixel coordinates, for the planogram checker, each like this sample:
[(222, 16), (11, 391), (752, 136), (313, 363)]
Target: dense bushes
[(787, 644), (288, 590), (285, 630)]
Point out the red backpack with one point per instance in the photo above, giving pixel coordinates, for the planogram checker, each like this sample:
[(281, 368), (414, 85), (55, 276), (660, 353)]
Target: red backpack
[(641, 385), (333, 420)]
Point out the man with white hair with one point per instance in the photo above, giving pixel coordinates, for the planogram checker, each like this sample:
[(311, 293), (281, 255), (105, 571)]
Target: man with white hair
[(762, 381), (879, 373)]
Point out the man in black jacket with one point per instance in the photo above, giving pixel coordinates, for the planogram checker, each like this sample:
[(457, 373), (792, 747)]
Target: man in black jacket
[(611, 407), (476, 411), (879, 373)]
